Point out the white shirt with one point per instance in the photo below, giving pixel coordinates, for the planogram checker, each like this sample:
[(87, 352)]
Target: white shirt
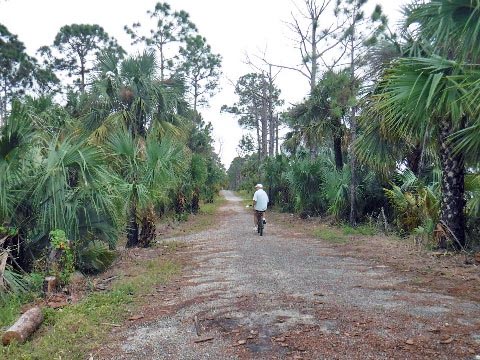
[(261, 200)]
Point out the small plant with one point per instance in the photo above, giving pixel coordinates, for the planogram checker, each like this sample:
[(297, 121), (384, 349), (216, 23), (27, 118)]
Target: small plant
[(95, 257), (35, 281), (181, 217), (63, 264), (9, 231), (330, 235), (359, 230)]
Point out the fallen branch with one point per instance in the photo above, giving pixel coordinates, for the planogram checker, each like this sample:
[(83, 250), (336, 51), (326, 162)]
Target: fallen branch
[(16, 263), (203, 340), (197, 326), (109, 279), (110, 324)]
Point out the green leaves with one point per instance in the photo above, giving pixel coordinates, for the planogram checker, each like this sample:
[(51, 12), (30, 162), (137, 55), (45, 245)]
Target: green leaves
[(200, 68), (17, 69), (77, 47), (169, 27), (451, 26)]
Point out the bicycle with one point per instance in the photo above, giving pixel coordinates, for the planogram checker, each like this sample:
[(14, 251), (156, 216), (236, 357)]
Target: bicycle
[(260, 224)]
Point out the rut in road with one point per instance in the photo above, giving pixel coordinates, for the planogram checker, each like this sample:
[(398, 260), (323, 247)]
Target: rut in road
[(275, 297)]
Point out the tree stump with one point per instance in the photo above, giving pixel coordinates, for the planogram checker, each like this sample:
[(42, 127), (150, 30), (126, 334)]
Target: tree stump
[(24, 326), (50, 285)]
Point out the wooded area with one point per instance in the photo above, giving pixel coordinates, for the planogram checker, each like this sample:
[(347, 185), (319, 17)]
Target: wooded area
[(389, 133), (98, 145)]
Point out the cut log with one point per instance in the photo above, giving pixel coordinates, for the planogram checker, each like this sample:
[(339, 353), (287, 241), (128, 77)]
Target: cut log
[(24, 327)]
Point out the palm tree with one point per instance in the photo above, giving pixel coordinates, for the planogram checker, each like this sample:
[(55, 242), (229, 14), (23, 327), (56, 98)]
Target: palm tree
[(434, 91), (130, 97), (52, 178), (149, 169), (320, 118), (129, 93)]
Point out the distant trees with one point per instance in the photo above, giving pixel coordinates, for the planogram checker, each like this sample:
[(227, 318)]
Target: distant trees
[(256, 109), (19, 72), (182, 51), (76, 48), (16, 68), (200, 68), (169, 31)]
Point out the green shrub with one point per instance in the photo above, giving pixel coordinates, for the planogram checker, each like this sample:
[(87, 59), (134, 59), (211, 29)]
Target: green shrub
[(64, 266), (95, 257)]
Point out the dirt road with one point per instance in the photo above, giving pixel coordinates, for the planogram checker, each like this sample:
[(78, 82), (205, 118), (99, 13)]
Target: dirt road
[(242, 296)]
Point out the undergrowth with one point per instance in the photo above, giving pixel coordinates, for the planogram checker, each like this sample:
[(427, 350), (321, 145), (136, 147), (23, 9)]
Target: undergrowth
[(344, 233), (73, 331)]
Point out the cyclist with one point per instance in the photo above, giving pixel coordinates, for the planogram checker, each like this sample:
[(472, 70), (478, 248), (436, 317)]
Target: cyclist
[(260, 202)]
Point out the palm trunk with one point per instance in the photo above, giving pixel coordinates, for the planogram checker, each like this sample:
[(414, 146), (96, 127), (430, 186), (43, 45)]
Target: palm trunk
[(147, 234), (452, 215), (337, 146), (195, 203), (414, 159), (132, 227)]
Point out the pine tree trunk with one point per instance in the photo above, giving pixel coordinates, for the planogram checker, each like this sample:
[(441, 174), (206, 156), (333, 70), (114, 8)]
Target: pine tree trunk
[(276, 135), (259, 138), (264, 119), (452, 215), (353, 178), (353, 129), (271, 119), (353, 165), (271, 130)]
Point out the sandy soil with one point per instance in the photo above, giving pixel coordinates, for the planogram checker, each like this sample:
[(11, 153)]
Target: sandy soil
[(287, 295)]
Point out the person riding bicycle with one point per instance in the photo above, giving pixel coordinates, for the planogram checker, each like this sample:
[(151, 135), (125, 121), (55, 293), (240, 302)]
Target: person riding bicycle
[(260, 202)]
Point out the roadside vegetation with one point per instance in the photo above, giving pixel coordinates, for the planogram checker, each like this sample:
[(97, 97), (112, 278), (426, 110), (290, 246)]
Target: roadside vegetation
[(98, 149), (73, 330), (389, 140), (101, 149)]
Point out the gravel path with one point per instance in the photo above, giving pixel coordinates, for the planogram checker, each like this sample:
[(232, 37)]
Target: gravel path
[(274, 297)]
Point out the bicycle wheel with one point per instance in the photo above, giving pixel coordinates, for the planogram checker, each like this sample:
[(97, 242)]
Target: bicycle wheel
[(260, 223)]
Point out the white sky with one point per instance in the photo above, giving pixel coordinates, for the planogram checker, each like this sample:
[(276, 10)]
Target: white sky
[(233, 28)]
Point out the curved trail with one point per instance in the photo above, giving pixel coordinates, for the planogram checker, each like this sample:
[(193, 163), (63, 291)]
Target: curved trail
[(275, 297)]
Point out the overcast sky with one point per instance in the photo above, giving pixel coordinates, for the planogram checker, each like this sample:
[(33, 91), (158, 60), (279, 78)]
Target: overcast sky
[(233, 28)]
